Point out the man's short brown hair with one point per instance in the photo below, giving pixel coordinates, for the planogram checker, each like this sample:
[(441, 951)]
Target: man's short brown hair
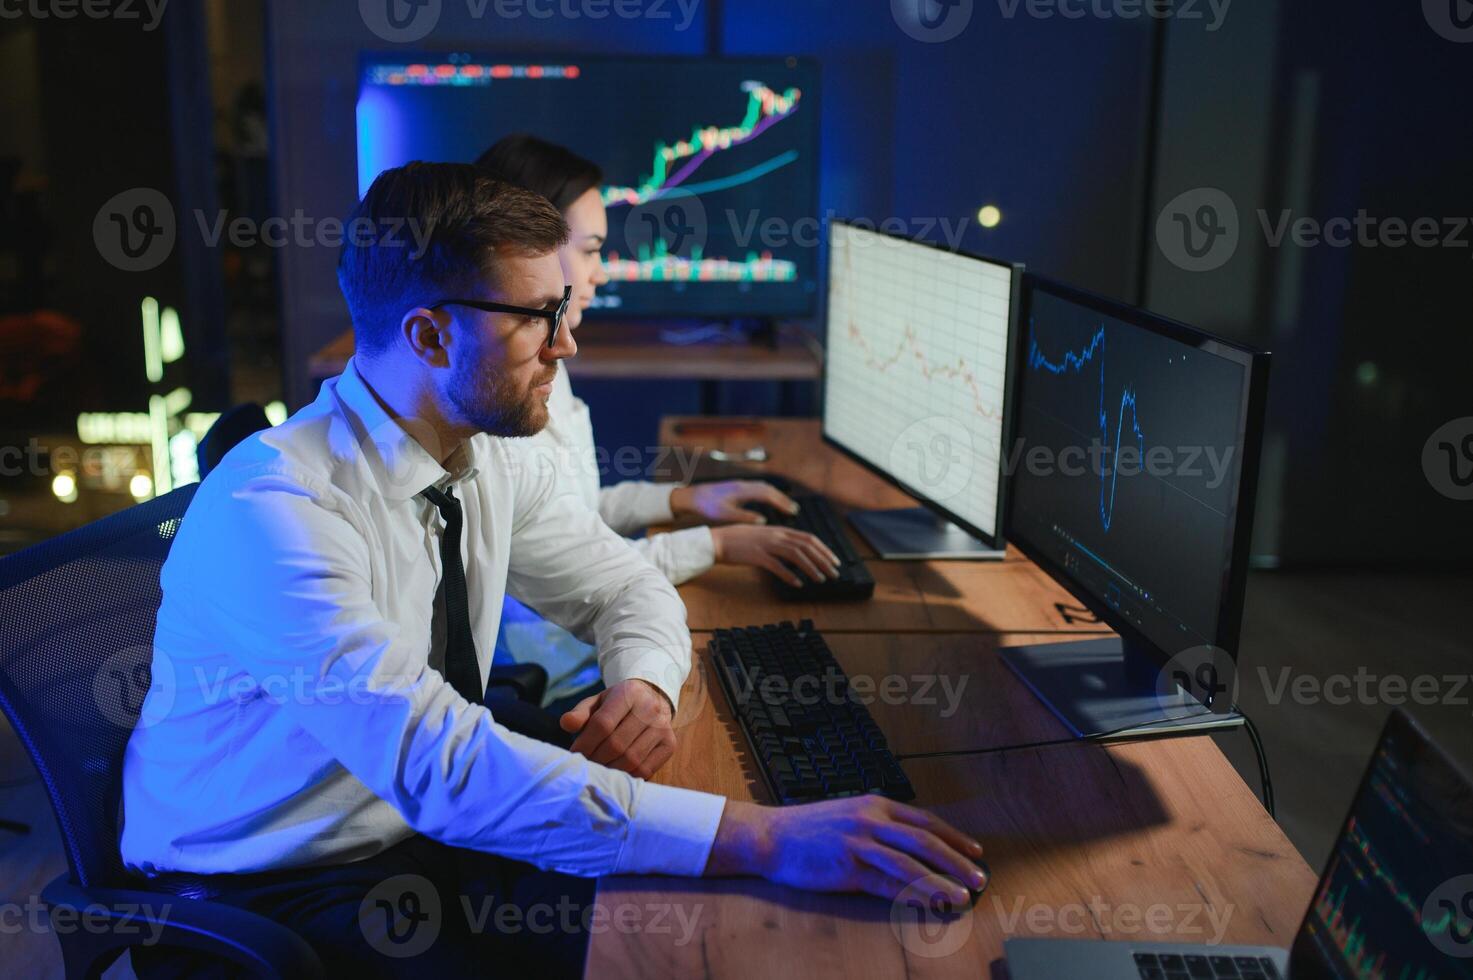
[(428, 231)]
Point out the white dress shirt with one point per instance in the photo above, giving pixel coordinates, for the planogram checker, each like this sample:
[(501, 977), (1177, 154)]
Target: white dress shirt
[(296, 717), (627, 507), (566, 448)]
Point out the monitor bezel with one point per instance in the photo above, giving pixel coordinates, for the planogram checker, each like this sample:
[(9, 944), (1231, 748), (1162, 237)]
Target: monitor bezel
[(808, 307), (1251, 425), (998, 538), (1304, 955)]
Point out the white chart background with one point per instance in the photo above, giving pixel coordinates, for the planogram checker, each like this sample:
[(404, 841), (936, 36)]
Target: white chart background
[(917, 349)]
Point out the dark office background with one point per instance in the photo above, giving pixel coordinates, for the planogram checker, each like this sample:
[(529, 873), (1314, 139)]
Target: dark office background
[(1081, 131)]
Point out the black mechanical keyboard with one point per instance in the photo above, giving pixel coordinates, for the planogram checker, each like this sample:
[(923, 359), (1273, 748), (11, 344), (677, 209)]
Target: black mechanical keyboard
[(1167, 966), (811, 738), (818, 517)]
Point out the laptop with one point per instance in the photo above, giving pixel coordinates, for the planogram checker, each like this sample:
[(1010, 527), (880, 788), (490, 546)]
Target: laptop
[(1394, 901)]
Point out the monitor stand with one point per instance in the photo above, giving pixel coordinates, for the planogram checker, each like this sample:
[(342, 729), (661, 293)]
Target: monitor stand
[(1101, 690), (916, 532)]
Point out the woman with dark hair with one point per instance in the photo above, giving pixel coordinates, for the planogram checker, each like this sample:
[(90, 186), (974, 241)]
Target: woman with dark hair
[(573, 185)]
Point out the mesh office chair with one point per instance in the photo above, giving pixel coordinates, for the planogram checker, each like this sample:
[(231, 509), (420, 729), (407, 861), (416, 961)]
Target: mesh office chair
[(76, 632), (231, 427)]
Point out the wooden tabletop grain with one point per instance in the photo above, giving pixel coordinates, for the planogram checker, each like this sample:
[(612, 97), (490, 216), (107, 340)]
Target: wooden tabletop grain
[(1147, 841)]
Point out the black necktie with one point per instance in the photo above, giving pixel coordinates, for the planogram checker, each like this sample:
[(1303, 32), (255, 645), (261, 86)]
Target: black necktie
[(462, 669)]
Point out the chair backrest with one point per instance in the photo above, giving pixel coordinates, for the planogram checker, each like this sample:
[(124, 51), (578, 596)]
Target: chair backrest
[(229, 429), (77, 618)]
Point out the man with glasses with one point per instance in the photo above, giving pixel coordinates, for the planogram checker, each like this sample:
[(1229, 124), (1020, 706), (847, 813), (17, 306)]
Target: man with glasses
[(314, 746), (554, 318)]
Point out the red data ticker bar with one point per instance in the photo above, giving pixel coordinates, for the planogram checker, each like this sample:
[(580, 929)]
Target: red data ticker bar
[(424, 74)]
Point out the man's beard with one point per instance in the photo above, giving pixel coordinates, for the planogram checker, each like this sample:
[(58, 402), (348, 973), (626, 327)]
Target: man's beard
[(493, 404)]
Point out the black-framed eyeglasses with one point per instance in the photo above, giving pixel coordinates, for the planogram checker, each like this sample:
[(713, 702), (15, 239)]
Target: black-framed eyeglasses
[(553, 317)]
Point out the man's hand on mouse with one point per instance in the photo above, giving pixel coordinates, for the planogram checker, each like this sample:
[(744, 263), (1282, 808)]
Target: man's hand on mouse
[(861, 843)]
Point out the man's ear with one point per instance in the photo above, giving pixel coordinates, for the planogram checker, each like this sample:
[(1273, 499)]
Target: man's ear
[(427, 334)]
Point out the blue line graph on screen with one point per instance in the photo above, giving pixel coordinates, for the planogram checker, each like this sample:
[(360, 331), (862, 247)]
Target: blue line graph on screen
[(1073, 363)]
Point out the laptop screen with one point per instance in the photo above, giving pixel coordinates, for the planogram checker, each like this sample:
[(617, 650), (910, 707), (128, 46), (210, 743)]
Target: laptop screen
[(1396, 898)]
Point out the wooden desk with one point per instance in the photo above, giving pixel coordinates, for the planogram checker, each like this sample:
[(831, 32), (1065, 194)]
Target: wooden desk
[(608, 350), (1012, 595), (1151, 841), (1160, 841), (944, 692), (995, 597), (795, 450), (934, 692)]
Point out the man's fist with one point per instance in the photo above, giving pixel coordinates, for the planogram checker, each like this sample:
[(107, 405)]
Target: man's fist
[(628, 727)]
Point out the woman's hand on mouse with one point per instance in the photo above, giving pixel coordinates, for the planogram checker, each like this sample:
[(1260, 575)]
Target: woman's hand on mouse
[(728, 502), (782, 551)]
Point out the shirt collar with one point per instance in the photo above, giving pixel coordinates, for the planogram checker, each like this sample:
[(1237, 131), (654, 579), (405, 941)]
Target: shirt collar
[(399, 464)]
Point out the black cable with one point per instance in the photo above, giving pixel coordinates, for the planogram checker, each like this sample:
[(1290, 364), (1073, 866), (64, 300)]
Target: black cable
[(1262, 754), (1259, 752), (1100, 737)]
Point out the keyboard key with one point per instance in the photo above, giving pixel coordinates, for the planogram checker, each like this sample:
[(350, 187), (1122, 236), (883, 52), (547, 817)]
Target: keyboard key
[(806, 751), (1198, 967)]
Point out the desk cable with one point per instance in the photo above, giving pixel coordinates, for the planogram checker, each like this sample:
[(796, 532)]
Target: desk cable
[(1258, 750), (1262, 754)]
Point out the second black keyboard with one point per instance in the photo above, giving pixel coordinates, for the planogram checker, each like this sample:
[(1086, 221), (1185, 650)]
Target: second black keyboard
[(813, 740), (819, 518)]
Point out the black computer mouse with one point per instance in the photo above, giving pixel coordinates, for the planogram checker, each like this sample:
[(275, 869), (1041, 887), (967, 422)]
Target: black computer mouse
[(987, 872), (943, 907)]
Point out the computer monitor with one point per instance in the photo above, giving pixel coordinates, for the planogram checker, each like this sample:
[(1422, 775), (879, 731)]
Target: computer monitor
[(699, 157), (1396, 897), (916, 383), (1136, 455)]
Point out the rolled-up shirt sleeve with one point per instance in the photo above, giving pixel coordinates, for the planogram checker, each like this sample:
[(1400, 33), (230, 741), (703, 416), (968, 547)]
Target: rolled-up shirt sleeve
[(679, 555), (634, 505), (567, 564), (294, 601)]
